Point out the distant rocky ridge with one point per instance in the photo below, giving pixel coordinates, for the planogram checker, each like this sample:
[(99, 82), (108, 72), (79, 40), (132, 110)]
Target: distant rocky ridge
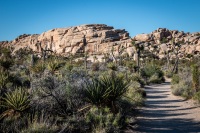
[(102, 39)]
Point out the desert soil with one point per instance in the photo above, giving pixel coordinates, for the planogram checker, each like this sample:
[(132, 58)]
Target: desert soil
[(164, 112)]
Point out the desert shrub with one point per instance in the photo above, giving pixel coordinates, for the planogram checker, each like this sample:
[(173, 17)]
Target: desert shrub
[(10, 125), (138, 78), (38, 68), (182, 83), (197, 97), (6, 63), (41, 124), (15, 103), (105, 91), (168, 74), (175, 79), (69, 67), (112, 66), (131, 66), (53, 65), (183, 88), (57, 96), (135, 94), (4, 79), (95, 66), (103, 120), (156, 79), (153, 73), (195, 77)]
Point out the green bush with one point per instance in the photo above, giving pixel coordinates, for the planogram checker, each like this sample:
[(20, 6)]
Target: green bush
[(168, 74), (69, 67), (182, 89), (15, 103), (95, 66), (156, 79), (195, 77), (112, 66), (38, 68), (135, 94), (102, 120), (105, 91), (138, 78), (153, 73), (197, 97)]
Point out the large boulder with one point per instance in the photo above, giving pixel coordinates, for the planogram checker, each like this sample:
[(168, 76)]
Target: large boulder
[(142, 37)]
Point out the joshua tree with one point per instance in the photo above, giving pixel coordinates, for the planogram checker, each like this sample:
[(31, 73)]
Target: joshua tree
[(195, 77), (120, 51), (112, 53), (139, 47), (85, 53), (176, 48)]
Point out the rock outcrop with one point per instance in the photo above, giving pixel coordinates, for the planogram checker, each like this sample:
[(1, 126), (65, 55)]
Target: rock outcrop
[(101, 39), (163, 41)]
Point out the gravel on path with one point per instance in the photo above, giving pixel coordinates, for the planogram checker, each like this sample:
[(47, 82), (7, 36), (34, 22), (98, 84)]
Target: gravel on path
[(164, 112)]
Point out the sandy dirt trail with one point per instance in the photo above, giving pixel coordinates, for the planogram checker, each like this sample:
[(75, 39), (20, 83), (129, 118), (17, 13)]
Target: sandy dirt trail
[(164, 112)]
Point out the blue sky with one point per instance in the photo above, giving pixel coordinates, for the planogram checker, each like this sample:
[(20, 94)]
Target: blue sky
[(136, 16)]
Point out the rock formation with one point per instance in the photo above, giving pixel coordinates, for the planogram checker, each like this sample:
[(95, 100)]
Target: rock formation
[(162, 41), (102, 39), (64, 41)]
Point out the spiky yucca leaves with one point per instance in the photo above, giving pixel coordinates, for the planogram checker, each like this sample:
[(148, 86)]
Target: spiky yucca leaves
[(96, 92), (15, 103), (115, 86), (38, 68), (53, 65), (106, 91), (112, 66)]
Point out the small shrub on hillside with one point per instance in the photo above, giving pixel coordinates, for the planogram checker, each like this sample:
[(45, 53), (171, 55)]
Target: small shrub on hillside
[(112, 66), (69, 67), (38, 68), (131, 66), (41, 124)]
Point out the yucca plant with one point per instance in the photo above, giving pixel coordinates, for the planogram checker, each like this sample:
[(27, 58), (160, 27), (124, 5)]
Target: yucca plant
[(112, 66), (15, 103), (38, 68), (96, 93), (105, 91), (53, 65), (6, 63), (115, 86)]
